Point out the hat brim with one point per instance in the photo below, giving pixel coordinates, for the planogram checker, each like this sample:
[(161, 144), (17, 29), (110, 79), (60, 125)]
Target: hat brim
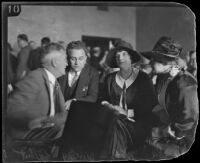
[(160, 57), (136, 56)]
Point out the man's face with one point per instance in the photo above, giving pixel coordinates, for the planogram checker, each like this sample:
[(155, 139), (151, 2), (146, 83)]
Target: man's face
[(77, 59), (20, 42), (61, 62), (33, 45)]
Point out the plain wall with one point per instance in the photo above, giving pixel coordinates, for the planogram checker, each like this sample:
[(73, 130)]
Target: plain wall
[(69, 23), (154, 22)]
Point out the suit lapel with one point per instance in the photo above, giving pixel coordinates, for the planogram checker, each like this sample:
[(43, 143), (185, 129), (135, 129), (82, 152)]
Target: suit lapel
[(84, 77), (63, 81), (46, 79)]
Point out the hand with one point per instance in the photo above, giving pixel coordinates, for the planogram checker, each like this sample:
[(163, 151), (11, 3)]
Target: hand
[(68, 103), (107, 104), (36, 123), (10, 88), (120, 110)]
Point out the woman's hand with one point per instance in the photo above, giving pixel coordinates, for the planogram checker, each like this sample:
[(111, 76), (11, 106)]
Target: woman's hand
[(120, 110), (115, 107)]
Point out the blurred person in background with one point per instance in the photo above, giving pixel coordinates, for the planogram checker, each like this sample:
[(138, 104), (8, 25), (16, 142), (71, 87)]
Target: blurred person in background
[(96, 56), (45, 41), (11, 68), (32, 44), (62, 43), (34, 60), (22, 68)]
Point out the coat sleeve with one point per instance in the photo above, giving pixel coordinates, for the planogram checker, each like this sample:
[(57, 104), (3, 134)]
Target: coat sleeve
[(188, 110)]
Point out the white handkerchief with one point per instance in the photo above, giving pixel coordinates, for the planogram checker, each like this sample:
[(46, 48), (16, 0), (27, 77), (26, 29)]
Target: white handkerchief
[(130, 113)]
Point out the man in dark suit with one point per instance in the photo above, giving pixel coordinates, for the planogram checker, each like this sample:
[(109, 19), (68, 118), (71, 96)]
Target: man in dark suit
[(22, 68), (34, 104), (81, 81)]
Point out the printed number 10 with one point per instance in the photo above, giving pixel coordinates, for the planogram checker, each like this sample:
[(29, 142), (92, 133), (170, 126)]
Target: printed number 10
[(13, 9)]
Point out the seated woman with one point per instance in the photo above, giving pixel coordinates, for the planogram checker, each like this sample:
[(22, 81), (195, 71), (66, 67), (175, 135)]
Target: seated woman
[(178, 106), (130, 93)]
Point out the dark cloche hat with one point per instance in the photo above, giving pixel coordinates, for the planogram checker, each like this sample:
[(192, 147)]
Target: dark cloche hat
[(166, 49)]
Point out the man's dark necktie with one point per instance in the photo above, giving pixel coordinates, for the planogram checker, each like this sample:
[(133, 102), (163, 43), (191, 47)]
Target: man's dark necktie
[(56, 96), (124, 97)]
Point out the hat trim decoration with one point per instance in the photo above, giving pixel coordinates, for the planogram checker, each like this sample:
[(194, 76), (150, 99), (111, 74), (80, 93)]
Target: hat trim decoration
[(167, 55)]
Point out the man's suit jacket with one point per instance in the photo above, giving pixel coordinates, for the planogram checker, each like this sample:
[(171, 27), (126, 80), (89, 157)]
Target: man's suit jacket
[(29, 104), (22, 62), (87, 86)]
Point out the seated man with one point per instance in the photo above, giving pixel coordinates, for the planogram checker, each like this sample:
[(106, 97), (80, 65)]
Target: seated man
[(81, 81), (34, 104)]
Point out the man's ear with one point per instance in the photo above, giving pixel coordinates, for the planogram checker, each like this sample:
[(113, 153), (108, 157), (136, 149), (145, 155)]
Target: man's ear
[(54, 62)]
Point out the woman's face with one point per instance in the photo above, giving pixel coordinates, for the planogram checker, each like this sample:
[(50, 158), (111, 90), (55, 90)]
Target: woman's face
[(160, 67), (123, 59)]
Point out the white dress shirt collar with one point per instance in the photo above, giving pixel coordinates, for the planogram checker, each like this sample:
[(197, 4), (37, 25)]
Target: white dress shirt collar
[(71, 75), (51, 77), (52, 81)]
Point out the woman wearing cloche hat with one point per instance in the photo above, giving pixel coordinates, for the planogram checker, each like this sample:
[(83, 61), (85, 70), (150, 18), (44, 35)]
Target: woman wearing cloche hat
[(177, 96), (130, 92)]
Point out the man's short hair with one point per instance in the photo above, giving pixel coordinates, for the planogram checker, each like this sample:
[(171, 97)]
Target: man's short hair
[(45, 40), (76, 45), (23, 37), (48, 49)]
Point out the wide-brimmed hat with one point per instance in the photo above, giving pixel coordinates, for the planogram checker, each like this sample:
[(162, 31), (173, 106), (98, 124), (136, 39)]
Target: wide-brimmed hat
[(166, 49), (122, 45)]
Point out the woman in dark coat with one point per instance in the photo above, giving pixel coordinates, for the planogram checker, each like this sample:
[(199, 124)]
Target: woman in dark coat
[(177, 95), (131, 94)]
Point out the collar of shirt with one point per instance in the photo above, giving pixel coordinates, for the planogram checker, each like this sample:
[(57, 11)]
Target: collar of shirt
[(51, 77), (71, 75), (120, 81)]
